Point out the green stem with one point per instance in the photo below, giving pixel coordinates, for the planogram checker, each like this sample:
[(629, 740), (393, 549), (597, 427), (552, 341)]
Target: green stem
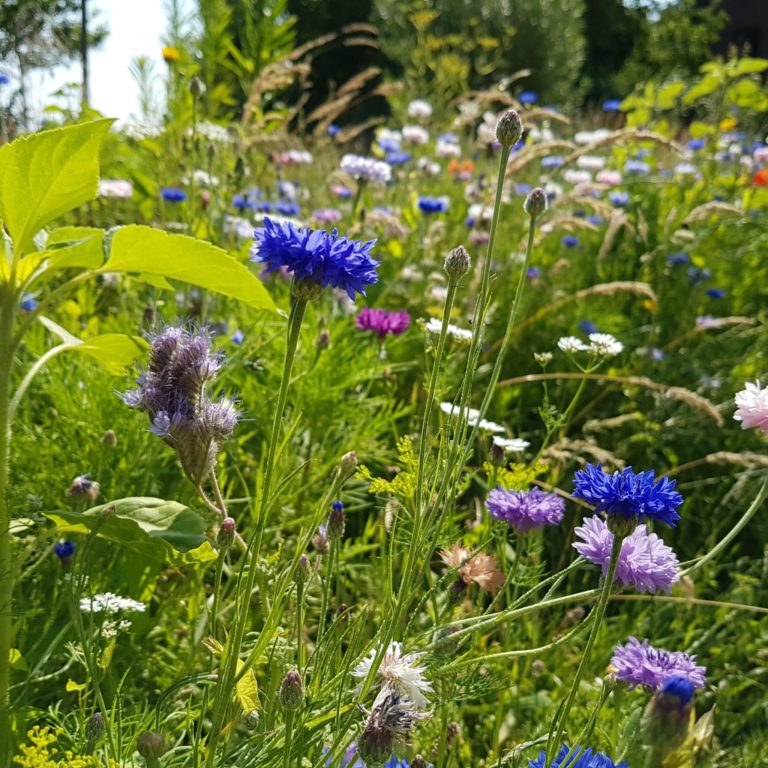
[(299, 627), (224, 689), (556, 733), (288, 739), (7, 315)]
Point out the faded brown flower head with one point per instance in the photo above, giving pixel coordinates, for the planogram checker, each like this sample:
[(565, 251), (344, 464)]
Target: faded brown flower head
[(481, 568)]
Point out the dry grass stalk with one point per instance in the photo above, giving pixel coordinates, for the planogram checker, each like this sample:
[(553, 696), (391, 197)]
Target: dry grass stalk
[(598, 425), (357, 82), (713, 208), (622, 137), (353, 131), (529, 154), (542, 115), (747, 459), (567, 449), (616, 223)]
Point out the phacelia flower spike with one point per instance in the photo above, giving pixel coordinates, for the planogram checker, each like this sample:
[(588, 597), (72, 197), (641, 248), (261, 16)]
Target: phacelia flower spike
[(627, 494), (316, 257)]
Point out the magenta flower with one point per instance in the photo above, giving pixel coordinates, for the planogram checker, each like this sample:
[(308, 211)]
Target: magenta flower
[(752, 407), (639, 663), (382, 322), (645, 562)]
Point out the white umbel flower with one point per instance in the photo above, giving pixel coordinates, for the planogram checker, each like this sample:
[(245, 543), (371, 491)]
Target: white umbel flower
[(473, 417), (400, 673), (571, 344), (511, 444), (605, 345), (109, 602), (433, 325)]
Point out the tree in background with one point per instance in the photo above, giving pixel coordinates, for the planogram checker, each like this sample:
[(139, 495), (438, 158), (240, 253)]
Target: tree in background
[(41, 34)]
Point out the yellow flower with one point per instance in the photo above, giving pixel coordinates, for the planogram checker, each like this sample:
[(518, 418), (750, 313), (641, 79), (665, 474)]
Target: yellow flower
[(728, 124), (171, 54), (40, 752)]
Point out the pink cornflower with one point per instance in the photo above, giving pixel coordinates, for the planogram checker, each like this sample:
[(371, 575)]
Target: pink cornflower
[(382, 322), (752, 407)]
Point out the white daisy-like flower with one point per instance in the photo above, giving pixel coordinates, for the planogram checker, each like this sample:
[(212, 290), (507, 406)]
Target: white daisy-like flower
[(571, 344), (434, 325), (605, 345), (400, 673), (109, 602), (510, 444), (473, 417)]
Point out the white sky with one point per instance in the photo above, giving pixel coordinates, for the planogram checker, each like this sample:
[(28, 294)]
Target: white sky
[(135, 29)]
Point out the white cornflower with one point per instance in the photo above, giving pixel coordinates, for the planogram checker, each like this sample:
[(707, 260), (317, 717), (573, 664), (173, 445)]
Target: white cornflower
[(571, 344), (573, 176), (433, 325), (420, 109), (109, 602), (415, 134), (366, 168), (591, 162), (121, 188), (400, 673), (510, 444), (605, 345), (447, 149)]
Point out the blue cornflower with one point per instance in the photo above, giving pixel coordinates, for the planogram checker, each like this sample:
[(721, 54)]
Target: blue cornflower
[(398, 157), (287, 208), (680, 257), (552, 161), (64, 549), (532, 273), (238, 337), (316, 256), (241, 202), (628, 494), (698, 275), (521, 188), (263, 206), (679, 687), (333, 129), (637, 166), (619, 199), (173, 194), (611, 105), (715, 293), (570, 241), (696, 144), (28, 303), (588, 327), (579, 759), (596, 219), (529, 97), (4, 79), (432, 205)]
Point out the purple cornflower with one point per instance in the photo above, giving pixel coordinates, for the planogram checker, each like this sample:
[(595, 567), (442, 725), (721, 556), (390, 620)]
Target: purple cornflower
[(316, 256), (645, 561), (525, 510), (628, 494), (172, 391), (580, 759), (639, 663), (382, 322)]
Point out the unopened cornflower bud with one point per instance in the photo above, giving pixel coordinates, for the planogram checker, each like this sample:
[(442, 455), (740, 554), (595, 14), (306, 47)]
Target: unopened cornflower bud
[(94, 727), (303, 571), (323, 340), (291, 693), (535, 202), (538, 668), (196, 87), (151, 745), (418, 762), (108, 440), (456, 590), (457, 263), (509, 129), (454, 729), (226, 534), (347, 465), (496, 454), (336, 521), (667, 717), (320, 541)]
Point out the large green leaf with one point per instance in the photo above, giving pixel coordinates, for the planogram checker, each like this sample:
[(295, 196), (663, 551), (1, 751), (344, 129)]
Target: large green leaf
[(160, 528), (149, 251), (47, 174)]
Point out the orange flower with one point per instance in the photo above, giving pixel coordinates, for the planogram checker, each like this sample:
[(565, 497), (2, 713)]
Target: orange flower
[(482, 569), (171, 54), (760, 179)]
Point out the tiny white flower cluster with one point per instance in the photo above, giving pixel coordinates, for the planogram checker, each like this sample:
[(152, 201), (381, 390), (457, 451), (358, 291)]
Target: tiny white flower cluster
[(601, 344), (510, 444), (109, 602), (433, 325), (366, 168), (212, 132), (296, 157), (120, 188)]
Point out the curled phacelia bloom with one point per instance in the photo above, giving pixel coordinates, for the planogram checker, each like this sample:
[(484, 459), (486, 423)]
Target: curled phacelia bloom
[(173, 392), (639, 663), (645, 561), (525, 510)]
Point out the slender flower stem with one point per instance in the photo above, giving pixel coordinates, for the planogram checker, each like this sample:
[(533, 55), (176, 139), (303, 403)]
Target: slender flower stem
[(229, 671), (7, 315), (559, 726), (299, 627), (288, 738)]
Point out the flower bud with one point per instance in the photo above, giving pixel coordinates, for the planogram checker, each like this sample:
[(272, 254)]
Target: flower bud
[(336, 521), (83, 487), (347, 465), (418, 762), (375, 745), (543, 358), (667, 717), (496, 454), (151, 745), (196, 87), (509, 129), (320, 541), (251, 720), (535, 202), (323, 340), (65, 551), (108, 440), (303, 571), (291, 693), (94, 727), (226, 534), (457, 263)]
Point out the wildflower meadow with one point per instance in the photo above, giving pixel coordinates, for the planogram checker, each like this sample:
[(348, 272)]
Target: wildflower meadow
[(433, 436)]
